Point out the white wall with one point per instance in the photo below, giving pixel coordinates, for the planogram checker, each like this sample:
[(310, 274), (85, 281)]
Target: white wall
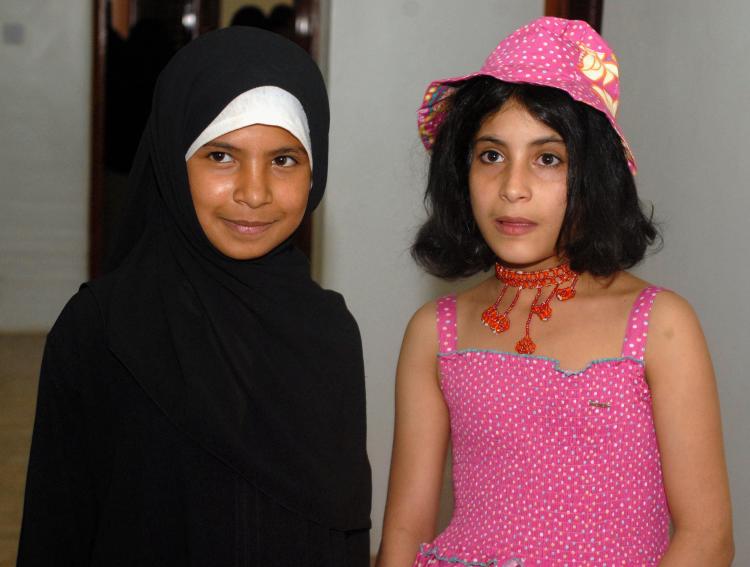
[(45, 85), (684, 107), (382, 55)]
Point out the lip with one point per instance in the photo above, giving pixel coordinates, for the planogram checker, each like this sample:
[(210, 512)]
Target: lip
[(514, 226), (249, 228)]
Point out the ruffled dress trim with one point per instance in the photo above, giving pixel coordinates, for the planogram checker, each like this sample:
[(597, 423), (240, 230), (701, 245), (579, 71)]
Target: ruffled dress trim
[(431, 557)]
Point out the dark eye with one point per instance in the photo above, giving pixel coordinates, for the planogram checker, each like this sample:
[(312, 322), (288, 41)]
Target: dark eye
[(491, 156), (284, 161), (220, 157), (549, 160)]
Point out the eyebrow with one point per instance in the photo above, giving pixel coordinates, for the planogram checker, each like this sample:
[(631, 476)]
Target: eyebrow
[(222, 145), (289, 150), (283, 150), (537, 142)]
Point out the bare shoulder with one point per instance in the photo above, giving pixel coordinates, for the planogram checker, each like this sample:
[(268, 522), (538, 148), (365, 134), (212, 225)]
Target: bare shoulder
[(417, 363), (477, 297), (671, 316), (423, 324), (676, 344), (421, 341), (622, 285), (667, 303)]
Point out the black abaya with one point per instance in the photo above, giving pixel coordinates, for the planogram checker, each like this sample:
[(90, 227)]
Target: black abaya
[(114, 483), (195, 409)]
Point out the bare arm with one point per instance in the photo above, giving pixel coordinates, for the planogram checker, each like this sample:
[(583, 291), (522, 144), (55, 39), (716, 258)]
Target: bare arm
[(419, 446), (688, 428)]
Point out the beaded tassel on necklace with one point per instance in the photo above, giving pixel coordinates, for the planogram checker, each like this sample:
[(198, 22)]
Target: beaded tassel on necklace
[(499, 322)]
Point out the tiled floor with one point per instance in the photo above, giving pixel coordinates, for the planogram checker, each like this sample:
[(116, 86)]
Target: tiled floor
[(20, 356)]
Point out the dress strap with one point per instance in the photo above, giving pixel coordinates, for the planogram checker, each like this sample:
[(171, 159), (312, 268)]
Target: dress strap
[(636, 334), (446, 323)]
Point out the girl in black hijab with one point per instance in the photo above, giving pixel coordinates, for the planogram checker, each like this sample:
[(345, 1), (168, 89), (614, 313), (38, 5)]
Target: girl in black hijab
[(203, 403)]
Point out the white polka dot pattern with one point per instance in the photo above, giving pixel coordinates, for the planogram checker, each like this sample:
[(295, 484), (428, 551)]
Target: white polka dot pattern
[(550, 467)]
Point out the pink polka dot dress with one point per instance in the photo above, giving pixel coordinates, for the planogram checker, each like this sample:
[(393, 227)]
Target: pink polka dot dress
[(550, 467)]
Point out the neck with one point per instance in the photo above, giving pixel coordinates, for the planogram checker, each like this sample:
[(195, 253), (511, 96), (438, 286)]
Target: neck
[(537, 279)]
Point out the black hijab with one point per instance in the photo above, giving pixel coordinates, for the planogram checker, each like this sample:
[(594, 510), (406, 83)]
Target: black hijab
[(251, 359)]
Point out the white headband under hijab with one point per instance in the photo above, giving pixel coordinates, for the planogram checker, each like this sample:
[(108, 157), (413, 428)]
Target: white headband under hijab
[(271, 106)]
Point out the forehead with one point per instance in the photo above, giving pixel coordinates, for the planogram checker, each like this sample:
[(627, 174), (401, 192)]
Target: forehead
[(258, 135), (513, 120)]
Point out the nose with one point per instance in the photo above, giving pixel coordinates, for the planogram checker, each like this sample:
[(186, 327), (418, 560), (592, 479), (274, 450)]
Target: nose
[(252, 187), (515, 185)]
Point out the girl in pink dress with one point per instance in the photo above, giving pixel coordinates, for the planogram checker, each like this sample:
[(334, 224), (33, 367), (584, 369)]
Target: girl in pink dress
[(579, 400)]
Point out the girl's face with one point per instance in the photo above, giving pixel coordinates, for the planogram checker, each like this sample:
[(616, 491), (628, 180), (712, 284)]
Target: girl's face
[(250, 189), (518, 187)]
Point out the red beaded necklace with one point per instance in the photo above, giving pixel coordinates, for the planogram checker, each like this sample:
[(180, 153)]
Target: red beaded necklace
[(556, 276)]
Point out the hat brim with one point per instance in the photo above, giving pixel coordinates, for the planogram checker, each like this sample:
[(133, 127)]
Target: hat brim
[(433, 109)]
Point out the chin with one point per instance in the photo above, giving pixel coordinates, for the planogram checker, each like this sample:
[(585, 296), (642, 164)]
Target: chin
[(243, 248), (246, 254), (242, 251), (525, 259)]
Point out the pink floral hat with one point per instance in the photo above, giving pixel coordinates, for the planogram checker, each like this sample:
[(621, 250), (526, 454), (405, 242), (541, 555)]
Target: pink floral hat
[(552, 52)]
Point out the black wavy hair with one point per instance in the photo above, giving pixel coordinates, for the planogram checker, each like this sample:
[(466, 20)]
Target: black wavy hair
[(604, 229)]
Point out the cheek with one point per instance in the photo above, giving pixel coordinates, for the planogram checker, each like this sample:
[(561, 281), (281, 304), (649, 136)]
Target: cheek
[(560, 204), (483, 206), (479, 194), (208, 192), (477, 205), (294, 194)]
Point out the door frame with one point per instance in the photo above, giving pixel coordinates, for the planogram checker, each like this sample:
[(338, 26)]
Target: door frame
[(590, 11), (96, 173)]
